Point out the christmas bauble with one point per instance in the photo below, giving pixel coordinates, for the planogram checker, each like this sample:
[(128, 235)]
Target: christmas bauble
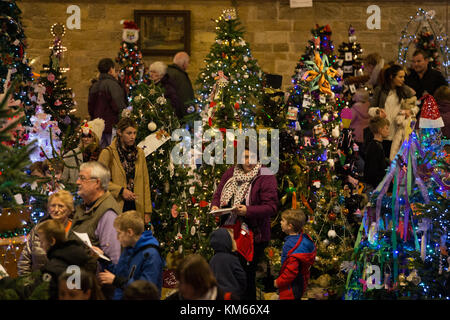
[(332, 216), (331, 234), (151, 126)]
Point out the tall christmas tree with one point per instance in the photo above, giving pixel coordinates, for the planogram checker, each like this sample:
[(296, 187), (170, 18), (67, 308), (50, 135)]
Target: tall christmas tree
[(13, 61), (230, 89), (58, 99), (168, 182), (320, 192), (132, 68), (390, 260)]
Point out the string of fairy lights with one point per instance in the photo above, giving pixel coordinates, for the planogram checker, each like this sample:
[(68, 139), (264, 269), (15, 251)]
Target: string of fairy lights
[(427, 20)]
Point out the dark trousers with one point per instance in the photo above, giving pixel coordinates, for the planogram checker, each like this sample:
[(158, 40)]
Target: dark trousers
[(250, 270)]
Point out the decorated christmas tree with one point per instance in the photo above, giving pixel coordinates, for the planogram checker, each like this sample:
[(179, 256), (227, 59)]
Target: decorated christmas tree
[(390, 259), (322, 44), (318, 190), (350, 60), (132, 68), (13, 61), (230, 84), (15, 157), (230, 90), (426, 41), (57, 99), (426, 32), (168, 182)]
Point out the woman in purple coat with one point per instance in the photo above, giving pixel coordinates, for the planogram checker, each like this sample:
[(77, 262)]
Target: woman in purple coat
[(252, 190)]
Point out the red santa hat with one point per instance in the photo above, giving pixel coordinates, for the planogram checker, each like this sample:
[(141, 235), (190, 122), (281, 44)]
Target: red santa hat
[(129, 25), (430, 116)]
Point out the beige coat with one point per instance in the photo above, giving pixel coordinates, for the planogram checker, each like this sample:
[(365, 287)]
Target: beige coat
[(110, 158)]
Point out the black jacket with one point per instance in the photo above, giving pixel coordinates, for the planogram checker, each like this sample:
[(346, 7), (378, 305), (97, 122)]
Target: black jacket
[(375, 164), (431, 80), (225, 265), (182, 83), (170, 93), (61, 256), (106, 100)]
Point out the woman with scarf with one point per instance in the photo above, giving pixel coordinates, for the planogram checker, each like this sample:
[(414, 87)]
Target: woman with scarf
[(251, 190), (130, 183)]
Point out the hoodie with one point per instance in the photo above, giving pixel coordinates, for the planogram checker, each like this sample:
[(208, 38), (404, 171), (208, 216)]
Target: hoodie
[(298, 255), (225, 265), (141, 262)]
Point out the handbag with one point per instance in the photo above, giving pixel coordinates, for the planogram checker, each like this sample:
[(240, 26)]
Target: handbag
[(243, 237)]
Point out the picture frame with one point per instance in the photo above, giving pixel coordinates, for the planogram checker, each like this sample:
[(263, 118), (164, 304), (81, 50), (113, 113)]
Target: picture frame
[(163, 32)]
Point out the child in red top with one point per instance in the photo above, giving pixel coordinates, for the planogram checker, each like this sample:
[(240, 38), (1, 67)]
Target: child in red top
[(297, 257)]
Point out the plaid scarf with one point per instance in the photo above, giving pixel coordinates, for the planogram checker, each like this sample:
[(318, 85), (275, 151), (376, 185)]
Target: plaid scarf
[(238, 185), (128, 157)]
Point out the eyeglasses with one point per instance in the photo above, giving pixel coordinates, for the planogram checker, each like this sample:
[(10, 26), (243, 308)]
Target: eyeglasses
[(83, 178)]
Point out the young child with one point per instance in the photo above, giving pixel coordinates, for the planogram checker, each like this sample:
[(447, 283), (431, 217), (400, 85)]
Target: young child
[(376, 161), (61, 253), (225, 263), (408, 112), (297, 256), (140, 258), (360, 114)]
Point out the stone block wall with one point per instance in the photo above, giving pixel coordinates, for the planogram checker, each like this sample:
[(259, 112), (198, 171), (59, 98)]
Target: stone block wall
[(277, 34)]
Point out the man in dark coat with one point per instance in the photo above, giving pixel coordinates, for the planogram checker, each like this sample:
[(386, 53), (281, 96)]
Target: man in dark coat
[(225, 263), (183, 85), (106, 99), (423, 78)]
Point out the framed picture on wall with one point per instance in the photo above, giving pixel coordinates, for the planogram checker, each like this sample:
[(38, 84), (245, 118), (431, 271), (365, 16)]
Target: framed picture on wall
[(163, 32)]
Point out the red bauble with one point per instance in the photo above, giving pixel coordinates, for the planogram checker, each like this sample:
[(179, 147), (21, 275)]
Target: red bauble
[(332, 216)]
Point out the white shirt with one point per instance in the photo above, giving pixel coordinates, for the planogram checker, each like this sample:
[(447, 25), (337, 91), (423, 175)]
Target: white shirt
[(392, 108)]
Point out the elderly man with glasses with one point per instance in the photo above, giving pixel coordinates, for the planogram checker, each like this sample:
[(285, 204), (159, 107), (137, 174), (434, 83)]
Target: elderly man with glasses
[(99, 209)]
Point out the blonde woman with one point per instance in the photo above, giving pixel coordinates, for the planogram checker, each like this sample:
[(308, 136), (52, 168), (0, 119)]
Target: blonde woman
[(33, 257)]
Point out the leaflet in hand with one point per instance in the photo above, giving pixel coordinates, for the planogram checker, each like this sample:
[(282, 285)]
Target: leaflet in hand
[(222, 211), (85, 238)]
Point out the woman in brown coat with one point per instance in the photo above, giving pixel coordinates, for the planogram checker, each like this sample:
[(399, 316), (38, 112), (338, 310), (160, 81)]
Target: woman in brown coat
[(130, 183)]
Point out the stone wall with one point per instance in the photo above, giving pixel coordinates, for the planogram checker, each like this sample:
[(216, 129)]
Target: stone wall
[(277, 34)]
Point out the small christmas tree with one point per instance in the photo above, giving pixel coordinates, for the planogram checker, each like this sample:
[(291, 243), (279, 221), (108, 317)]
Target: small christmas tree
[(57, 98), (350, 60), (132, 68), (231, 82), (425, 40)]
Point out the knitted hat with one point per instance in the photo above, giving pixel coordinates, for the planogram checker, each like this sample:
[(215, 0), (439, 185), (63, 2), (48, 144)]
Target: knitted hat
[(430, 116), (95, 126)]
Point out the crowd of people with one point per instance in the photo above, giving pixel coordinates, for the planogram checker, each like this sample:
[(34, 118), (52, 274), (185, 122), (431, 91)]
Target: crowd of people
[(380, 123), (124, 260)]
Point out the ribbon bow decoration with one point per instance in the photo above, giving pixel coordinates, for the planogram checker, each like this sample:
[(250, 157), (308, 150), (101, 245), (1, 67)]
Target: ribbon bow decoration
[(321, 75)]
